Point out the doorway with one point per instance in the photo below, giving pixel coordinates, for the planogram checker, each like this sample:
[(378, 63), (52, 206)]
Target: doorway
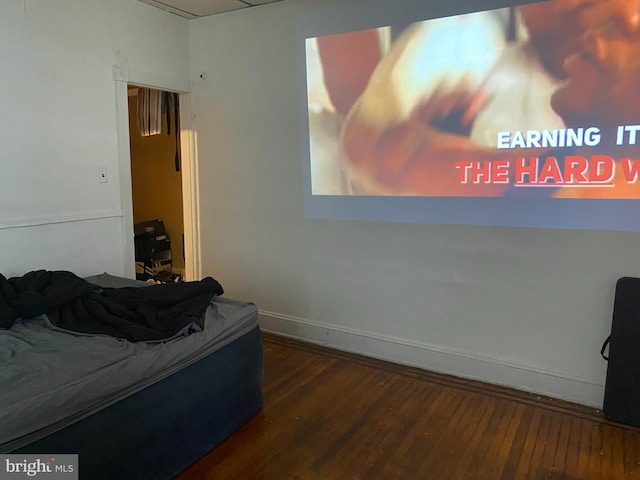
[(123, 77), (156, 183)]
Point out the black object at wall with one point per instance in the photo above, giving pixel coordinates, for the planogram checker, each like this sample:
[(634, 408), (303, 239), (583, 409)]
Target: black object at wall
[(622, 388), (152, 250)]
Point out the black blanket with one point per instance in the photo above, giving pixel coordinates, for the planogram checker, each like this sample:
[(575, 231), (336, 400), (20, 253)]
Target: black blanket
[(153, 313)]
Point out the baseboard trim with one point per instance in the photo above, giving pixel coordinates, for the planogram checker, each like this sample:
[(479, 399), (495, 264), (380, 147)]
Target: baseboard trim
[(438, 359)]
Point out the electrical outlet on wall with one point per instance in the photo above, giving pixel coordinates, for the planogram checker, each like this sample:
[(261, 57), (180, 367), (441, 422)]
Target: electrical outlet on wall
[(102, 175)]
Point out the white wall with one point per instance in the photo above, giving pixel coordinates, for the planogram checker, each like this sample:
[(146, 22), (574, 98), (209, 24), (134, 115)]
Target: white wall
[(522, 307), (58, 125), (527, 308)]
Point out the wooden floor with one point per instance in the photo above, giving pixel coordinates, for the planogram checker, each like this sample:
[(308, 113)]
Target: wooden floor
[(331, 415)]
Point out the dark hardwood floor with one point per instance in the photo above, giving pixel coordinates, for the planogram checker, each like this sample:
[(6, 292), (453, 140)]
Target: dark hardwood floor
[(333, 415)]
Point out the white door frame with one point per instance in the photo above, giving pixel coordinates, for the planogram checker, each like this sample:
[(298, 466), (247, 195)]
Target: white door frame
[(123, 77)]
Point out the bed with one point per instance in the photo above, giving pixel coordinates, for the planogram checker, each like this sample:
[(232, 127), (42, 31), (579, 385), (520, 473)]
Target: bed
[(130, 410)]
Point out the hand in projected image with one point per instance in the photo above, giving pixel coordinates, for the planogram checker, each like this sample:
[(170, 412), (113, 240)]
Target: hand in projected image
[(419, 106), (444, 91), (453, 109), (417, 156)]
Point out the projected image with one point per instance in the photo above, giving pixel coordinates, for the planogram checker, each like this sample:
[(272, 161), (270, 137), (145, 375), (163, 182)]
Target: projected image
[(540, 100)]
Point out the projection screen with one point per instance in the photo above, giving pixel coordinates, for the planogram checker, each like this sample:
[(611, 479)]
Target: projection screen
[(519, 116)]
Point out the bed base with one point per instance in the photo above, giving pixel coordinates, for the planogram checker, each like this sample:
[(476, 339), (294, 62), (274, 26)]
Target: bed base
[(158, 432)]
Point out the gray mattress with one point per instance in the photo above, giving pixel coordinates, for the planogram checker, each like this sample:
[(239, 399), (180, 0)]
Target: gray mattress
[(51, 379)]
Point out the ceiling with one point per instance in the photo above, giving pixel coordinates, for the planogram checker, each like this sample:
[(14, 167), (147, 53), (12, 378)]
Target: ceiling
[(203, 8)]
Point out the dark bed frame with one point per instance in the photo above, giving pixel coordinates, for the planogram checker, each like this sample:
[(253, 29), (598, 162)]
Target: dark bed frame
[(158, 432)]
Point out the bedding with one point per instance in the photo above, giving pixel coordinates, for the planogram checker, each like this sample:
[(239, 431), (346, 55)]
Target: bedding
[(159, 431), (58, 387), (74, 304)]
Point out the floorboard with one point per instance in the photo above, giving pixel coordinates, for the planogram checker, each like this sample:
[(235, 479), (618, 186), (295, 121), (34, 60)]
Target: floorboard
[(333, 415)]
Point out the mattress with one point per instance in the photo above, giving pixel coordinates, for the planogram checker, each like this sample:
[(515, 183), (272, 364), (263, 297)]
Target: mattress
[(51, 379)]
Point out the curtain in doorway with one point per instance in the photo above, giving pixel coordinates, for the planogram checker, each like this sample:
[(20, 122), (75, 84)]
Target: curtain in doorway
[(149, 111)]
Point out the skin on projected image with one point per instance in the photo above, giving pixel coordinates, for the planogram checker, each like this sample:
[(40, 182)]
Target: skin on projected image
[(536, 100)]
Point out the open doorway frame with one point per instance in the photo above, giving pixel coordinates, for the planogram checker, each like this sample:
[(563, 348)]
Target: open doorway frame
[(123, 77)]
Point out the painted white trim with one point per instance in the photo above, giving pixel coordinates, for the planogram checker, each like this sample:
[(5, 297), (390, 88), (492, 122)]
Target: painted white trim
[(124, 172), (122, 78), (122, 73), (34, 221), (435, 358), (190, 196)]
